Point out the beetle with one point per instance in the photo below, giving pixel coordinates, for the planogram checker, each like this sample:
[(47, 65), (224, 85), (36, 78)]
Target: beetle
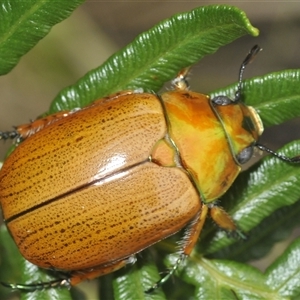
[(86, 190)]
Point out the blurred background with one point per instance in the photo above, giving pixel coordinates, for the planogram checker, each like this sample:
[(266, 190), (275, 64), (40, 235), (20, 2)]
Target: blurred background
[(98, 28)]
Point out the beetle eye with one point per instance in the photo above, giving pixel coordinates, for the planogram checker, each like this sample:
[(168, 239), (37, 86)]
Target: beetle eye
[(245, 155), (222, 100)]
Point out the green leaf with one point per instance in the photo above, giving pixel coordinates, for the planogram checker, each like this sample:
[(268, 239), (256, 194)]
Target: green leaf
[(275, 96), (224, 279), (283, 275), (221, 279), (132, 283), (155, 56), (10, 260), (24, 23), (274, 228)]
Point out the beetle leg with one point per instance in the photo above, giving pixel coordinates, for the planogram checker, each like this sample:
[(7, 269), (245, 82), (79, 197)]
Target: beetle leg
[(222, 218), (37, 286), (224, 221), (74, 278), (193, 231), (189, 240), (78, 276), (180, 82)]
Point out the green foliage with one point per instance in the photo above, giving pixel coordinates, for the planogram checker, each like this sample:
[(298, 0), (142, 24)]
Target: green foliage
[(155, 56), (263, 200), (24, 23)]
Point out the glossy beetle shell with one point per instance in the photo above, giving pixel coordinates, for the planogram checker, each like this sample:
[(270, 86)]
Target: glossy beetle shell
[(82, 192), (106, 182)]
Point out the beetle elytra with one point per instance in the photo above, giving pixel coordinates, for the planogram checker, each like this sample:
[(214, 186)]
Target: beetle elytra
[(107, 181)]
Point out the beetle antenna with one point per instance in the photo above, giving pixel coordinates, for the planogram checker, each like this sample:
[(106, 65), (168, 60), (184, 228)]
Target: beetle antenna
[(249, 58), (295, 159)]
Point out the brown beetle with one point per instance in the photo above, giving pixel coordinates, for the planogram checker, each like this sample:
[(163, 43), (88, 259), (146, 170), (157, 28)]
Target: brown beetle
[(88, 189)]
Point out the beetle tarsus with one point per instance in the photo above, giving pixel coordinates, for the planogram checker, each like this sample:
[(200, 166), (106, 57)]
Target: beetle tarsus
[(167, 276), (37, 286), (5, 135), (237, 234)]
